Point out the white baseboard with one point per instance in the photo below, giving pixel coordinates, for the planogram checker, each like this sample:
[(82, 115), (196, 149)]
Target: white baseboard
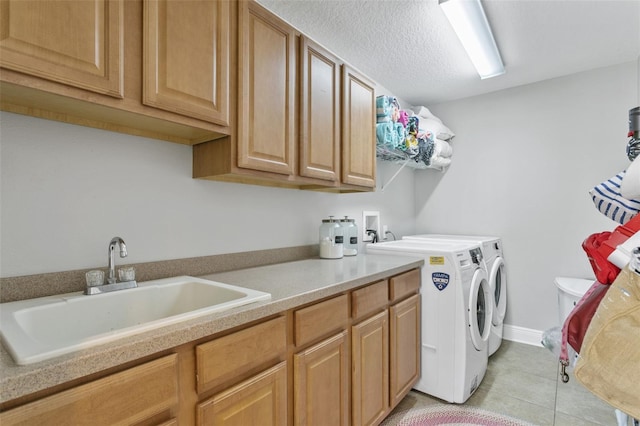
[(528, 336)]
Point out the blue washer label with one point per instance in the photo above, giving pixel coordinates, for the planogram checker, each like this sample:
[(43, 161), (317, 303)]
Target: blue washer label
[(440, 280)]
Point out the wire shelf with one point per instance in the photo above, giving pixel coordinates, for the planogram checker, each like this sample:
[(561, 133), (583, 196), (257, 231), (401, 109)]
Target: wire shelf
[(401, 157)]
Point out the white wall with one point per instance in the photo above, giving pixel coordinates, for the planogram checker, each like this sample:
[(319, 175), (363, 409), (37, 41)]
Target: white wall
[(524, 161), (66, 190)]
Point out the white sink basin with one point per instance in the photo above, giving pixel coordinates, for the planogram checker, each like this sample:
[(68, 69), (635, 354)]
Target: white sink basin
[(38, 329)]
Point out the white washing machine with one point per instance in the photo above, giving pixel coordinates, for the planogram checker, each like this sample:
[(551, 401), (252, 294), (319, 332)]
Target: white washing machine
[(456, 316), (495, 265)]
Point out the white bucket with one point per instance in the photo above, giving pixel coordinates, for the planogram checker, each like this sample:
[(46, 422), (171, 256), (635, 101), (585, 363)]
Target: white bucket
[(570, 291)]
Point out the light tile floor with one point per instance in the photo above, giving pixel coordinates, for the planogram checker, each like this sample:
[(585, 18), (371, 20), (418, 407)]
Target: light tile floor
[(522, 381)]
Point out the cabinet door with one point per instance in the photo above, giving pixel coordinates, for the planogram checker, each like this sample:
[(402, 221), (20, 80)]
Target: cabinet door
[(266, 91), (260, 400), (319, 112), (320, 319), (186, 58), (358, 130), (367, 300), (79, 43), (230, 357), (405, 284), (321, 375), (370, 371), (404, 347), (133, 396)]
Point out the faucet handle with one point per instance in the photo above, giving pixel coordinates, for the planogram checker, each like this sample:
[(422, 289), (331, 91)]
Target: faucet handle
[(127, 273), (94, 278)]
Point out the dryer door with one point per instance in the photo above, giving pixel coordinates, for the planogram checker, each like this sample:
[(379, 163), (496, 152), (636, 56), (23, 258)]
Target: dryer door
[(498, 284), (480, 310)]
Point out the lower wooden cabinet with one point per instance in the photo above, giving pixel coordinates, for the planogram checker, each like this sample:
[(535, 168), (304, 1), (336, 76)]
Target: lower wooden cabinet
[(145, 394), (321, 383), (370, 372), (247, 373), (404, 347), (345, 360), (234, 356), (385, 345), (260, 400)]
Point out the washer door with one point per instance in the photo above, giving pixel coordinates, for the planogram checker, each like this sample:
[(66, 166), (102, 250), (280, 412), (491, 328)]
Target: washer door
[(498, 284), (480, 310)]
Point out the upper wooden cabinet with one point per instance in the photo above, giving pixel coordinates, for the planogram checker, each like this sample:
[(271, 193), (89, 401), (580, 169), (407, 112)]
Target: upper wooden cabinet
[(262, 103), (186, 58), (358, 130), (319, 112), (159, 69), (303, 119), (266, 91), (79, 43)]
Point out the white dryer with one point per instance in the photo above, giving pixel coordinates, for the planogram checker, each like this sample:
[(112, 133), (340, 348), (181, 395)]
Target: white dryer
[(495, 266), (456, 316)]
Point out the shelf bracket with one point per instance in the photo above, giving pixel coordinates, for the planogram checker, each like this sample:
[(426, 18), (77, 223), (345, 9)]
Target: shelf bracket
[(394, 176)]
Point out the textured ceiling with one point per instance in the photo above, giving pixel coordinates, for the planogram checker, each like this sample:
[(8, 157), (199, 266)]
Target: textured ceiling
[(408, 47)]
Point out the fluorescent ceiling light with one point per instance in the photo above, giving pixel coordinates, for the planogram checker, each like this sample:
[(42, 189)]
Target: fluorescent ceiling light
[(470, 24)]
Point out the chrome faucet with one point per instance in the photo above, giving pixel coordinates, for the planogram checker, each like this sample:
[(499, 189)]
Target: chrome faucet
[(111, 278), (112, 284)]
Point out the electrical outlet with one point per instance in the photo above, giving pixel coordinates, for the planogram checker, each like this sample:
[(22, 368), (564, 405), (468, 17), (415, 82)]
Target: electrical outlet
[(371, 220)]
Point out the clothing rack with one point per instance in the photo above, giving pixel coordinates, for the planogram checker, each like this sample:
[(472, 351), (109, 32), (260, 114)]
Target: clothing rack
[(401, 139)]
